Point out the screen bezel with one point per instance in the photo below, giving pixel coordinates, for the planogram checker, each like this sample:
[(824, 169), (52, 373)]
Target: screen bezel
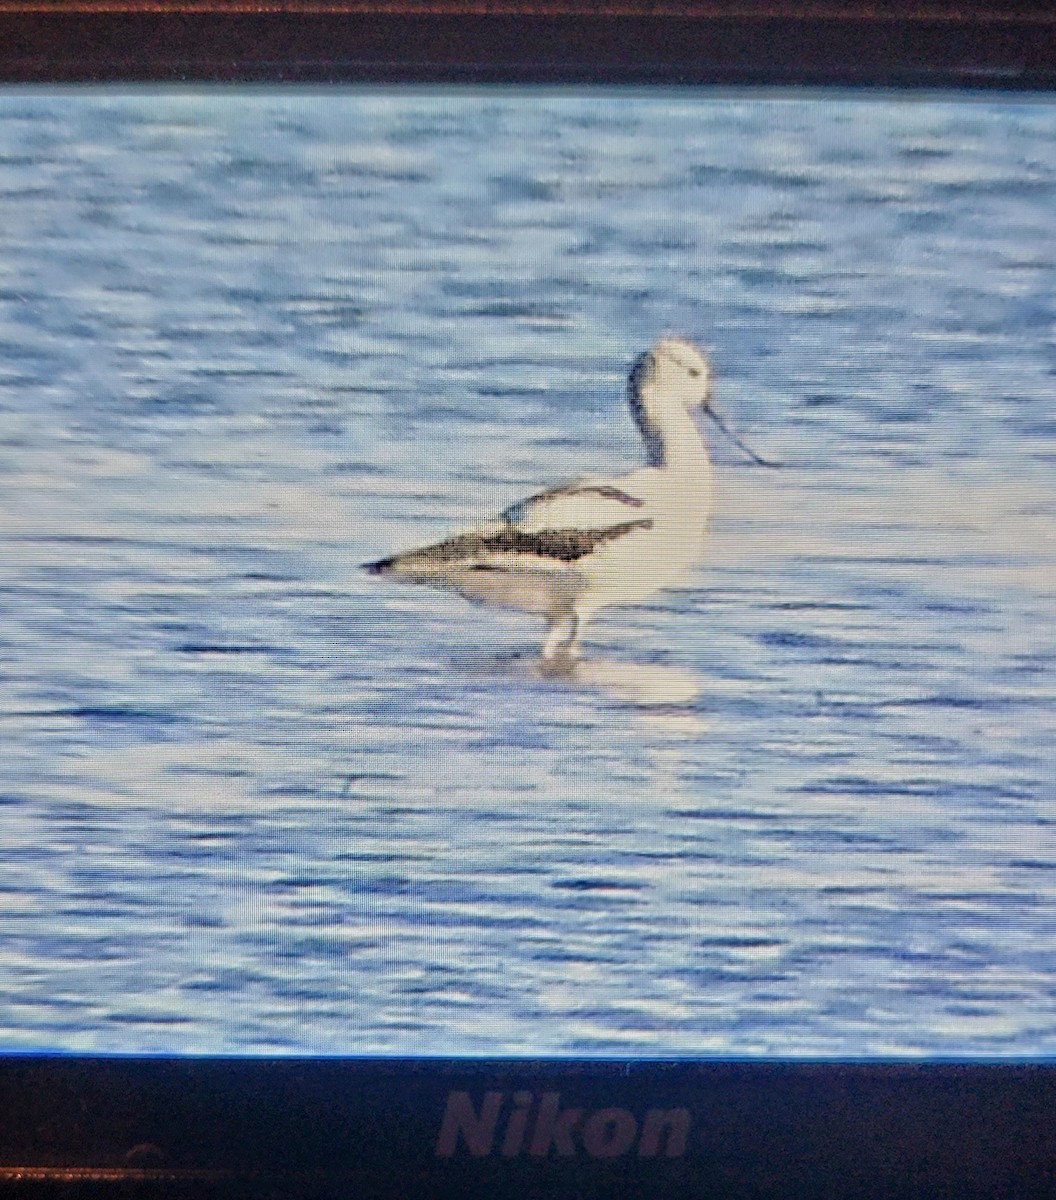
[(754, 42), (319, 1126)]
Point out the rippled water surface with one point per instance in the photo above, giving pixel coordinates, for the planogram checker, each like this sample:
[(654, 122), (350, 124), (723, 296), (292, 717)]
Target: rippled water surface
[(253, 800)]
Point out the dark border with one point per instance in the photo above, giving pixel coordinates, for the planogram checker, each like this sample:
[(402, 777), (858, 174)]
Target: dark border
[(374, 1128), (938, 44)]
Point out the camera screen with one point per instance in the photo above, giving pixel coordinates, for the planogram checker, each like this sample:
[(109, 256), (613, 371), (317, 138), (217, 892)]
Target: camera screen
[(509, 571)]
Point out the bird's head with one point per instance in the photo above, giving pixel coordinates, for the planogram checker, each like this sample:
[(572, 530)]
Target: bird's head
[(673, 373), (674, 376)]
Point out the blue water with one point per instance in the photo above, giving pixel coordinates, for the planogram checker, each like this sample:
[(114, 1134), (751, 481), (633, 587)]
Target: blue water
[(252, 800)]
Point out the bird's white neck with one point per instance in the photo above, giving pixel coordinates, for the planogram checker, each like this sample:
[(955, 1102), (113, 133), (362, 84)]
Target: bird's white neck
[(673, 441)]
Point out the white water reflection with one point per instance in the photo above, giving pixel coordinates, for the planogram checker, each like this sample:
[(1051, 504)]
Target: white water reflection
[(644, 684)]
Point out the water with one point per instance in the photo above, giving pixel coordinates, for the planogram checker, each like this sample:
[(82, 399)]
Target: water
[(252, 800)]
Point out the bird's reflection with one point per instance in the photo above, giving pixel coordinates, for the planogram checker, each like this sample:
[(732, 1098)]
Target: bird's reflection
[(664, 690), (645, 684)]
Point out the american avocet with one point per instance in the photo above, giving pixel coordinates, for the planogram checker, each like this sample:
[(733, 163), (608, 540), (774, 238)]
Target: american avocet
[(573, 549)]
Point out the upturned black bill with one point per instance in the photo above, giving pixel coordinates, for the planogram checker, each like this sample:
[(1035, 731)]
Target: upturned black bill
[(737, 441)]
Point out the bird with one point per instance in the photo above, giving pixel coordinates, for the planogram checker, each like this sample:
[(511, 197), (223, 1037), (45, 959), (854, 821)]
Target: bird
[(568, 551)]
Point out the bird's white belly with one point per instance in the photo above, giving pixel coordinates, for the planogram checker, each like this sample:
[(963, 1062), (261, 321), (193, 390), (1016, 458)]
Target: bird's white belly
[(542, 592), (645, 561)]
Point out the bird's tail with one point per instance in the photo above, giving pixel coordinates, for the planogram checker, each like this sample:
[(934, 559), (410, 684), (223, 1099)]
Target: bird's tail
[(381, 566)]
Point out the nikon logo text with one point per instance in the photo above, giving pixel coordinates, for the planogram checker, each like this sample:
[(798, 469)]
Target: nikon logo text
[(536, 1124)]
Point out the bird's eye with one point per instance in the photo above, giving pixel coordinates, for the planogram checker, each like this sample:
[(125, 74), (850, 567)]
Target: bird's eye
[(694, 371)]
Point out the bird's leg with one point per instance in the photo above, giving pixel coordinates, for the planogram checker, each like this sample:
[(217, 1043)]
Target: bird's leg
[(559, 631), (571, 647), (561, 646)]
